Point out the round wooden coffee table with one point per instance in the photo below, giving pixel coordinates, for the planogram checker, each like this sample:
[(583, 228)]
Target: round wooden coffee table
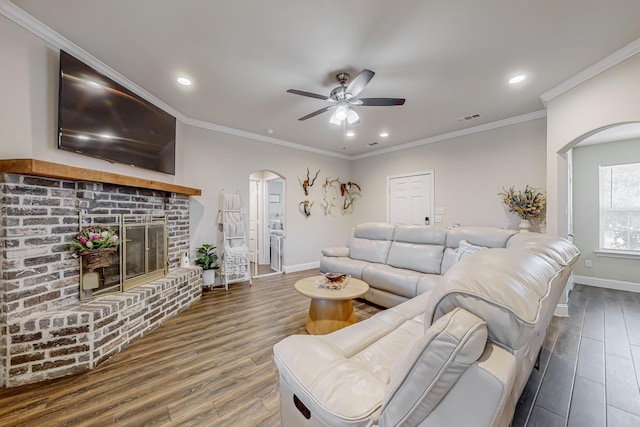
[(330, 309)]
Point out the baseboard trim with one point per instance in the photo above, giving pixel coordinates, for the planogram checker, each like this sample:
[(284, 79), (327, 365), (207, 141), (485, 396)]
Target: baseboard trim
[(618, 285), (562, 310), (301, 267)]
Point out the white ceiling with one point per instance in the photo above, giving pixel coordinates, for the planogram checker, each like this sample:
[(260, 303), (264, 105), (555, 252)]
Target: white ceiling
[(447, 58)]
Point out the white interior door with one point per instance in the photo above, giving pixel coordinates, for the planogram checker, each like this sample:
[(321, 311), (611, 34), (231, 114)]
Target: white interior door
[(410, 198)]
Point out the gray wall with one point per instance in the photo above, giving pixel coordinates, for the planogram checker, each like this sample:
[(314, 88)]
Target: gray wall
[(586, 161)]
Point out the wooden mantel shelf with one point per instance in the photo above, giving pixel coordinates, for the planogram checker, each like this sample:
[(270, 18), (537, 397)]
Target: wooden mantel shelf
[(55, 170)]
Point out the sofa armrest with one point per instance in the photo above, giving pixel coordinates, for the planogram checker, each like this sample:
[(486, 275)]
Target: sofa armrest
[(425, 372), (336, 251)]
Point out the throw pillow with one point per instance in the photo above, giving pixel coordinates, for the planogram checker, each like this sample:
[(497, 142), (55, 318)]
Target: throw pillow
[(465, 248)]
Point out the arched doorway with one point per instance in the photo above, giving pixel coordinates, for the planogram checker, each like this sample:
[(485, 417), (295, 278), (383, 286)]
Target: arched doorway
[(596, 209), (266, 222)]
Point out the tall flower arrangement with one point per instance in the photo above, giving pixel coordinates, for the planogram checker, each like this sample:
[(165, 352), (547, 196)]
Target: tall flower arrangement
[(529, 204)]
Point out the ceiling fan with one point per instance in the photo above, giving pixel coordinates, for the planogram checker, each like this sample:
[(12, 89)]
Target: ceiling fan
[(345, 97)]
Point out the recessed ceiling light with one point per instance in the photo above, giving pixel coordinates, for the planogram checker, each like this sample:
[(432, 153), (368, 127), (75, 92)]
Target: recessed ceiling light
[(517, 79), (270, 131), (184, 81), (384, 134), (350, 133)]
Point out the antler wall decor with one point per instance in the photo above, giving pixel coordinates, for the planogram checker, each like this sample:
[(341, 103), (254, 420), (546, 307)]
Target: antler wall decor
[(305, 207), (329, 190), (348, 192), (308, 182)]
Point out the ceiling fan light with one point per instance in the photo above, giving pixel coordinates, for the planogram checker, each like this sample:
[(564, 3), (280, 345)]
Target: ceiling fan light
[(334, 121), (341, 113), (352, 116)]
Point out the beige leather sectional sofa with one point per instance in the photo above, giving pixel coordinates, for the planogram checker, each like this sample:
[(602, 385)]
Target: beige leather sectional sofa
[(402, 261), (458, 354)]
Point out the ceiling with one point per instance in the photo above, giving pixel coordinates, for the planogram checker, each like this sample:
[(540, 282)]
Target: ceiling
[(449, 59)]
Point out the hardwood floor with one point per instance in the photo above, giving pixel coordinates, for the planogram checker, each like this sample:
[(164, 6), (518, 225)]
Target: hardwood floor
[(212, 365)]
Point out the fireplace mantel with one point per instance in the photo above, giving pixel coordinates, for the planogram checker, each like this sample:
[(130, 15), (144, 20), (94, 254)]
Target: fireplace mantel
[(46, 169)]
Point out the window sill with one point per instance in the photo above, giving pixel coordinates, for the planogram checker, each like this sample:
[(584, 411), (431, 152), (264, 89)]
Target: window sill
[(617, 254)]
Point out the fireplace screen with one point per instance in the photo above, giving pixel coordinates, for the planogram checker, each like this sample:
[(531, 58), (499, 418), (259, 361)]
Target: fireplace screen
[(140, 258), (144, 249)]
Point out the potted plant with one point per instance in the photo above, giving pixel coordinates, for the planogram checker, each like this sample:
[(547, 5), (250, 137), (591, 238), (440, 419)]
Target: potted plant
[(208, 260)]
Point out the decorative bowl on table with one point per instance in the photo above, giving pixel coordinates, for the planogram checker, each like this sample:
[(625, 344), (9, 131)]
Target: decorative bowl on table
[(335, 277), (333, 281)]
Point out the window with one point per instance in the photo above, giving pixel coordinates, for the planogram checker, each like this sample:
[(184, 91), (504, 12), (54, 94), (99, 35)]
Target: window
[(620, 208)]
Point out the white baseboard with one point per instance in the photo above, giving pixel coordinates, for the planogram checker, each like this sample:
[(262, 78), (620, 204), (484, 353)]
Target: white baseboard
[(562, 310), (301, 267), (618, 285)]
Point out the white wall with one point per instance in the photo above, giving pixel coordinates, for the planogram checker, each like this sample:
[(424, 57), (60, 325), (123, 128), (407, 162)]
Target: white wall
[(469, 172), (215, 161), (586, 162)]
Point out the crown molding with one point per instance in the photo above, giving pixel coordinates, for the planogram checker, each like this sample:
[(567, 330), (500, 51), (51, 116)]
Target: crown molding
[(257, 137), (456, 134), (614, 59)]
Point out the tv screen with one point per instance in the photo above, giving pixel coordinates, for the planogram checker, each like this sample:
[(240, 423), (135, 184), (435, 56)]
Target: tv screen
[(100, 118)]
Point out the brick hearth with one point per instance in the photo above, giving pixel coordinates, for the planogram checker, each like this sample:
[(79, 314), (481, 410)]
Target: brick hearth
[(46, 331)]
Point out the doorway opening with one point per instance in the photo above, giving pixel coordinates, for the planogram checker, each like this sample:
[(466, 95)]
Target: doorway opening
[(266, 223)]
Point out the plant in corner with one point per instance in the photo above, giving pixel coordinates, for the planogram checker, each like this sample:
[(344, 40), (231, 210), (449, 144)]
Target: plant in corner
[(208, 260), (529, 204)]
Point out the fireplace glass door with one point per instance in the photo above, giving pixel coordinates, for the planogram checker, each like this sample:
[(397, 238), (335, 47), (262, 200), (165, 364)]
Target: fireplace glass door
[(145, 249)]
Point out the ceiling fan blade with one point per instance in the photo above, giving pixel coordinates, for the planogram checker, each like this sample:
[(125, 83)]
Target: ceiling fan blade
[(309, 94), (381, 102), (359, 82), (316, 113)]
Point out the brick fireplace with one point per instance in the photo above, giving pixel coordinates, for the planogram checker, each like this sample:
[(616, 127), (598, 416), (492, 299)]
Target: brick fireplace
[(46, 331)]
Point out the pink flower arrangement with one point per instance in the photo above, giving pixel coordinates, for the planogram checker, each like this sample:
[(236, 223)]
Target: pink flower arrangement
[(92, 238)]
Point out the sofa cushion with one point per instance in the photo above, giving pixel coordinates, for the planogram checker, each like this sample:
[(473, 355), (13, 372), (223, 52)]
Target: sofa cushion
[(553, 247), (374, 231), (426, 282), (336, 251), (427, 370), (448, 259), (418, 257), (338, 381), (465, 249), (391, 279), (369, 250), (481, 236), (506, 288), (421, 234), (344, 265)]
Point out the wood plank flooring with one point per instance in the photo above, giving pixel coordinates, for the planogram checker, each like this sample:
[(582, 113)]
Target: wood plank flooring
[(212, 365)]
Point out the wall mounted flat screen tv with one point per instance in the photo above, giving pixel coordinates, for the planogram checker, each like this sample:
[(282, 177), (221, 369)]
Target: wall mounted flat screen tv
[(100, 118)]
